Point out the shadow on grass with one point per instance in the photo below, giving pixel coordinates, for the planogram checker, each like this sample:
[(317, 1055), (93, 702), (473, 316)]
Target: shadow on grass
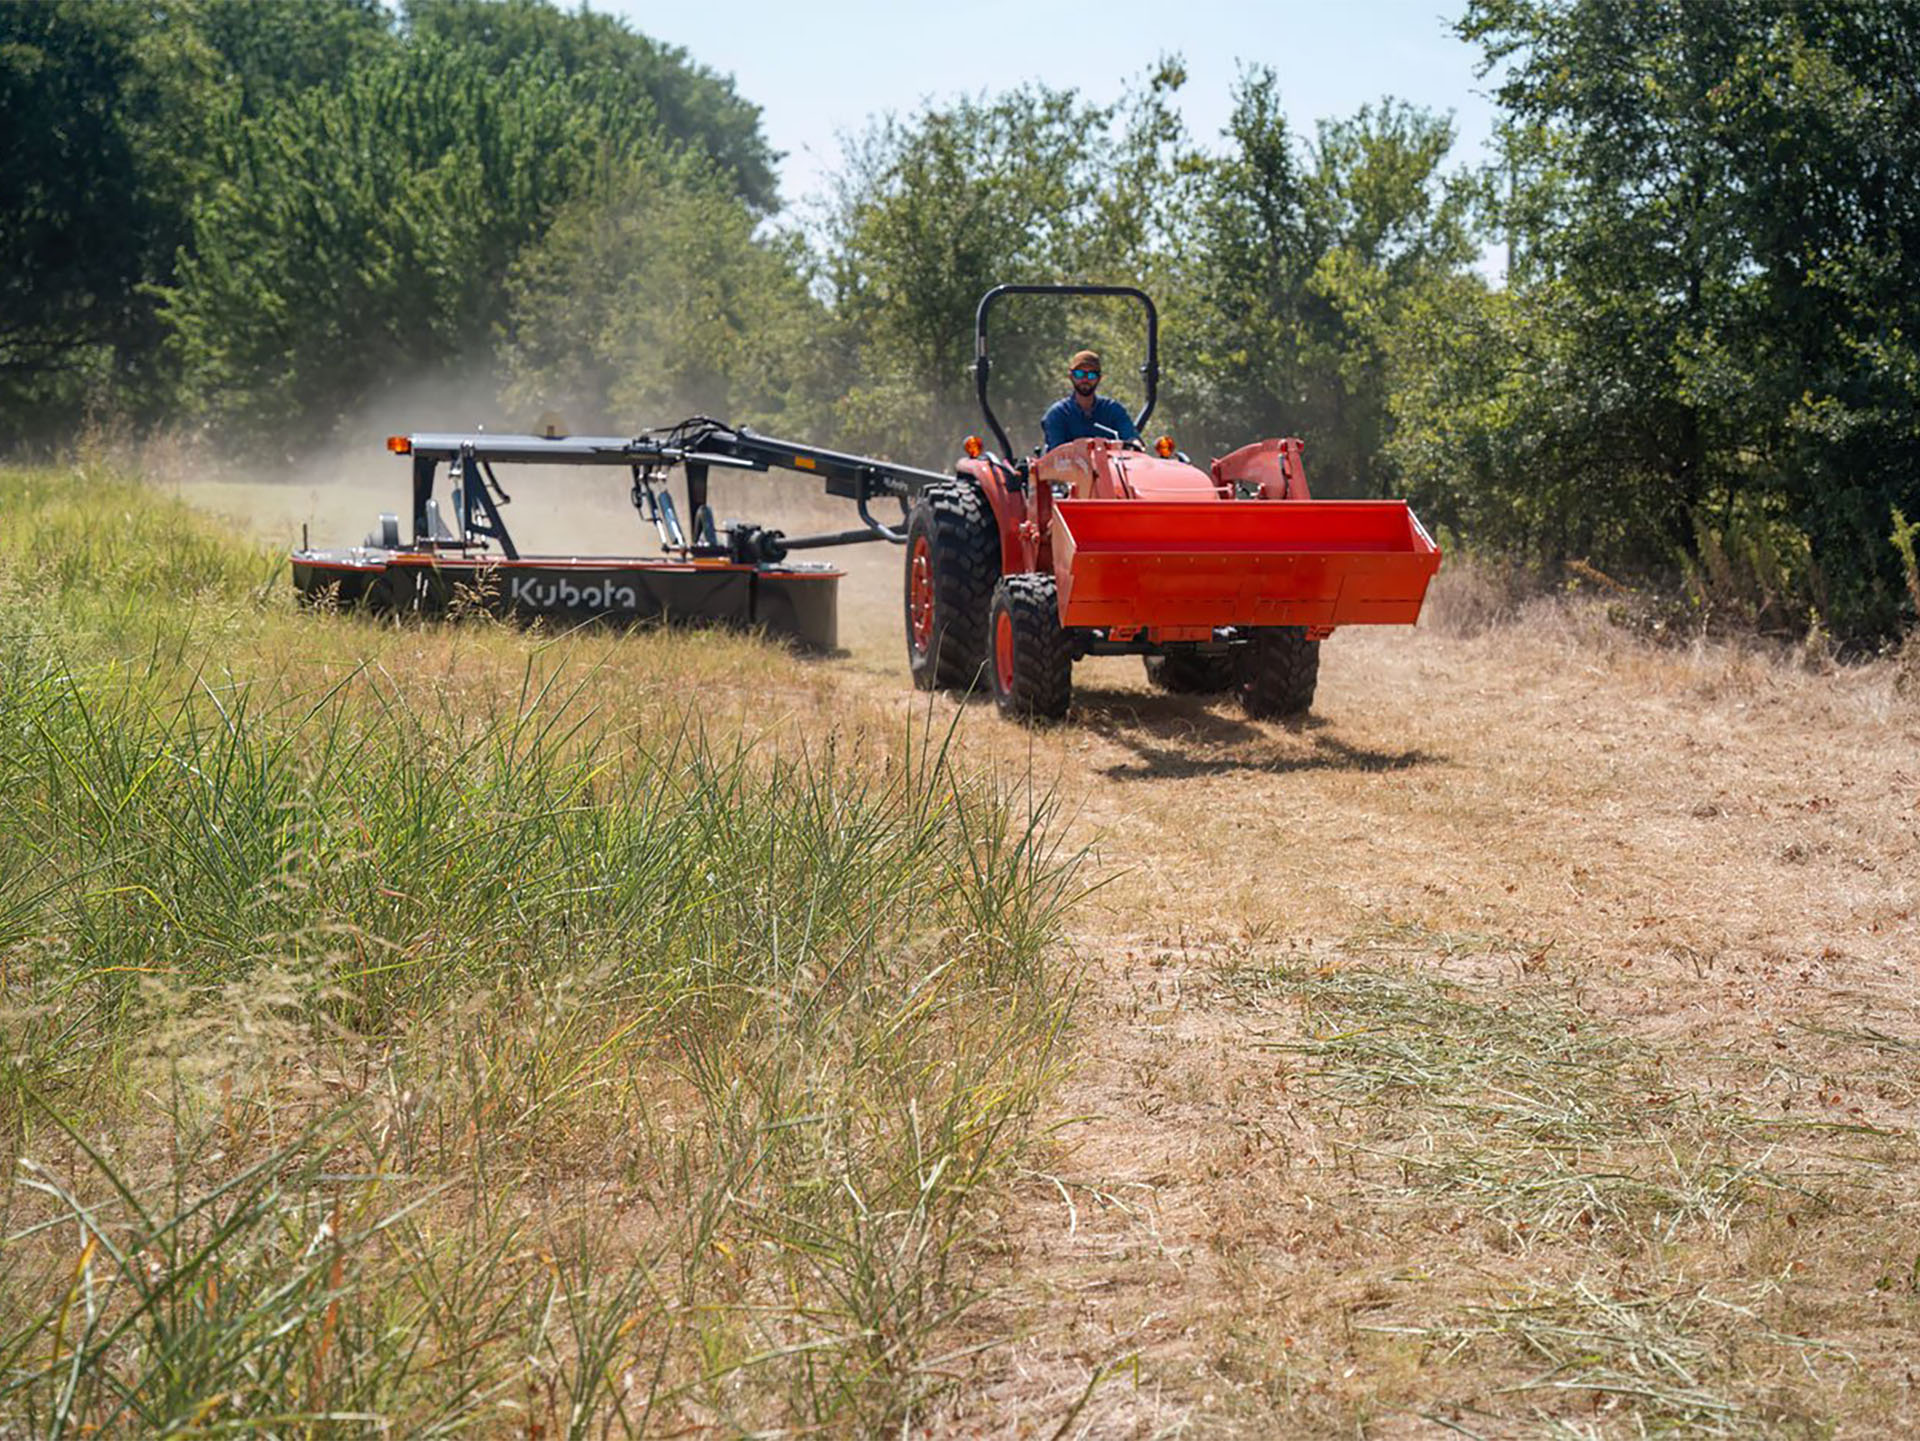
[(1177, 737)]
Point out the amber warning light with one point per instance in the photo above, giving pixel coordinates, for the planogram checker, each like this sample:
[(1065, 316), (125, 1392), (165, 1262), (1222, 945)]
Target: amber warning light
[(400, 444), (1163, 447), (972, 446)]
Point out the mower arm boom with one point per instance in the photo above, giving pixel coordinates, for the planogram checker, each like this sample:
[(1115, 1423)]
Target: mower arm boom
[(697, 445)]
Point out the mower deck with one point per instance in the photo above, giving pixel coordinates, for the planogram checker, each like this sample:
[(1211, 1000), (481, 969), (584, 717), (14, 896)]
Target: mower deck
[(795, 600), (459, 551)]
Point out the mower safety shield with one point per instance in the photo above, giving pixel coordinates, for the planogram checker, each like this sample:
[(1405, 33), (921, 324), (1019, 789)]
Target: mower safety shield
[(1240, 562)]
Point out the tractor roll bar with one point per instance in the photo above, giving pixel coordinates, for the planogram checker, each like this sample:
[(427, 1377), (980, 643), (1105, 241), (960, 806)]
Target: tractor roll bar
[(982, 366)]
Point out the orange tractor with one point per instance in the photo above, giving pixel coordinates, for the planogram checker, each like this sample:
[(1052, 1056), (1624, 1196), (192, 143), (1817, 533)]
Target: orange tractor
[(1226, 578)]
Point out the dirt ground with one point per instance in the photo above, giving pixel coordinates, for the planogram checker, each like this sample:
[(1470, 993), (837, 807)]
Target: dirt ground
[(1527, 1043)]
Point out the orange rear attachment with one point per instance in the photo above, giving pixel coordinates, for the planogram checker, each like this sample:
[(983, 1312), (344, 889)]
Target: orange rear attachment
[(1174, 563)]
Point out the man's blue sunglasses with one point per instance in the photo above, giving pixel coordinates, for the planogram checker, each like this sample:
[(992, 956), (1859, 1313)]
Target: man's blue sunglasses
[(1086, 375)]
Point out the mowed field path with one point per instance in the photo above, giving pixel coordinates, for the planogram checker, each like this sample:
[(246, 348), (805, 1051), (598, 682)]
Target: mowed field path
[(1529, 1039), (1526, 1043)]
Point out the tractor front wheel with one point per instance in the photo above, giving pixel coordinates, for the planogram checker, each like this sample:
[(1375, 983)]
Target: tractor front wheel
[(1279, 672), (1031, 666), (953, 556)]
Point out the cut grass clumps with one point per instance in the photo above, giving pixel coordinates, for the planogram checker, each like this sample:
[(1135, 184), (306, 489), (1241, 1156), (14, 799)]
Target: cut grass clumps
[(431, 1058), (1514, 1104), (1568, 1238), (1636, 1363)]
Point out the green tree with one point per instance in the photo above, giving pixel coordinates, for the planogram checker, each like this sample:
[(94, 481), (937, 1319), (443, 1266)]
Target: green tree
[(1714, 207), (264, 211), (79, 231), (1395, 231), (1304, 258), (1486, 434), (694, 107), (1234, 311), (366, 231), (650, 297), (267, 53), (112, 109), (929, 213)]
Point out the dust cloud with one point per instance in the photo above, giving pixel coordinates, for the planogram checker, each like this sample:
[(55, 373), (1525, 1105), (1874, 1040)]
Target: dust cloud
[(336, 494)]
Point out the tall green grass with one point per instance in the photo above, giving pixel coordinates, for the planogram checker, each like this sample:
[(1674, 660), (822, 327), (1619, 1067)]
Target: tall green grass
[(388, 1058)]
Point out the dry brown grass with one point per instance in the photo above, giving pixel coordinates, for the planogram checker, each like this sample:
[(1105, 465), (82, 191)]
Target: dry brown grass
[(1471, 596), (1528, 1044), (1704, 859)]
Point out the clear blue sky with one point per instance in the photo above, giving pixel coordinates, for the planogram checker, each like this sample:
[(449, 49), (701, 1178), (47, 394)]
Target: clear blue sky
[(823, 69)]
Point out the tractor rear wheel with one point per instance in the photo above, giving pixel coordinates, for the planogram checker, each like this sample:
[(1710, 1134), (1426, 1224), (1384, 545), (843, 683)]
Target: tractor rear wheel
[(953, 559), (1187, 673), (1279, 671), (1031, 666)]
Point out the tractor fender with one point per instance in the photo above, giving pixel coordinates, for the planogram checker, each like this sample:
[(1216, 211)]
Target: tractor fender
[(1276, 466)]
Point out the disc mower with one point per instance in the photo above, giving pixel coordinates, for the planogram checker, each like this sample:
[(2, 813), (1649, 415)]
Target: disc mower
[(1223, 578), (460, 549)]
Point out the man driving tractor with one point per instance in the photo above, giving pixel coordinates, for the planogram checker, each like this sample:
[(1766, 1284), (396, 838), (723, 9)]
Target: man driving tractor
[(1084, 415)]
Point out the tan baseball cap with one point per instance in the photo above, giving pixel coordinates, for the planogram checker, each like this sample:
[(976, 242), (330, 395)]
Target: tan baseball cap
[(1084, 360)]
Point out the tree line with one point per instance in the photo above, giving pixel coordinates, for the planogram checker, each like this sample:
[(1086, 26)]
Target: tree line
[(1700, 364)]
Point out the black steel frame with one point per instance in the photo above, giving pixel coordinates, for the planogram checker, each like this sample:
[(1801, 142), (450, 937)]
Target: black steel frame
[(696, 446)]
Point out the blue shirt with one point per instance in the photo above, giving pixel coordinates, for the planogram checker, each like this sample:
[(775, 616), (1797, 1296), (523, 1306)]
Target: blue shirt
[(1065, 420)]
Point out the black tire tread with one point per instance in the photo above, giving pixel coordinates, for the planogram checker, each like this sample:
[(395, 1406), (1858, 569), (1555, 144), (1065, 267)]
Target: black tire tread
[(1279, 672), (1043, 665), (964, 548)]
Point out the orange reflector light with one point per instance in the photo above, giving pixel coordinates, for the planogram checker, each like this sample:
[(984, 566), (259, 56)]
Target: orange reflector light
[(400, 444), (1163, 447), (972, 446)]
